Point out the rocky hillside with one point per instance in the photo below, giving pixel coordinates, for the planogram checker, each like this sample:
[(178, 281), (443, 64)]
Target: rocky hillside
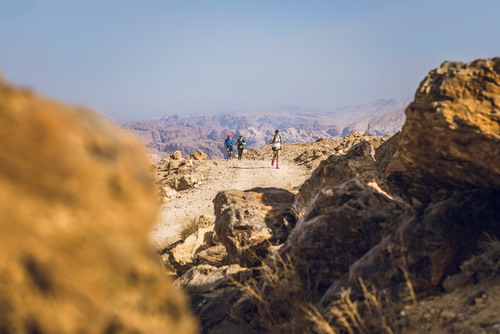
[(77, 204), (207, 132), (399, 238)]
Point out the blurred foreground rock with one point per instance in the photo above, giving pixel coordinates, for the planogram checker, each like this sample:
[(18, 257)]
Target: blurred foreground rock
[(77, 203)]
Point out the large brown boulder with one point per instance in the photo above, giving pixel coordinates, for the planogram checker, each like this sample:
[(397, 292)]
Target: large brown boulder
[(77, 204), (450, 141), (342, 224), (248, 222)]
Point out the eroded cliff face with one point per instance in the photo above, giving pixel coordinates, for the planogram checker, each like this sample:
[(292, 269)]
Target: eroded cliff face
[(398, 222), (77, 203)]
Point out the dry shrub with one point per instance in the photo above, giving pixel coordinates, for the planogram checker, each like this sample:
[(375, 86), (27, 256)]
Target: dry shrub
[(281, 301), (375, 312), (285, 306), (487, 263)]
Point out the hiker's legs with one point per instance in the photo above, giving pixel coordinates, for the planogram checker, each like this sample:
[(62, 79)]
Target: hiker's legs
[(240, 154), (277, 158)]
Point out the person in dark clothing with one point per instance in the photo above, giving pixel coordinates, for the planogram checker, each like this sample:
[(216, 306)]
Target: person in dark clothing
[(228, 143), (276, 142), (241, 146)]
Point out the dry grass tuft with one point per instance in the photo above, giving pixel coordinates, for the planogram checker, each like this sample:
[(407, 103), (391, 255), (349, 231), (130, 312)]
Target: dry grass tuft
[(285, 306)]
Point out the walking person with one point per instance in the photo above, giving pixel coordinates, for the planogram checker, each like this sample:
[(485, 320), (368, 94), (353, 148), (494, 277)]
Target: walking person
[(276, 142), (240, 144), (228, 143)]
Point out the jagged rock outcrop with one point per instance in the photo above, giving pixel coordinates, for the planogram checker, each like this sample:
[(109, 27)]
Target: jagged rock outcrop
[(345, 214), (450, 141), (337, 169), (76, 204), (248, 222), (452, 178)]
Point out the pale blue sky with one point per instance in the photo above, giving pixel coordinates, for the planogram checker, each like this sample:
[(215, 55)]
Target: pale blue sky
[(142, 59)]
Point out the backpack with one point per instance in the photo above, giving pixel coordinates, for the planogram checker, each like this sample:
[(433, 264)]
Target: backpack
[(241, 144)]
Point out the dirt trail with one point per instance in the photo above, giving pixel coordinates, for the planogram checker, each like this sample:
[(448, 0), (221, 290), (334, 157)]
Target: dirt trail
[(221, 175)]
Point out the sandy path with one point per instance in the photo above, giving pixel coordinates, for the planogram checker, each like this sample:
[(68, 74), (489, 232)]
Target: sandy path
[(221, 175)]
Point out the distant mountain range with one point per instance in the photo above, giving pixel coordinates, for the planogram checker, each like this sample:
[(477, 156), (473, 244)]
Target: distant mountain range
[(189, 133)]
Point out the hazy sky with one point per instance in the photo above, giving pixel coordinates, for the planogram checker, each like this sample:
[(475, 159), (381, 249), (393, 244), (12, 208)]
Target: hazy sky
[(144, 58)]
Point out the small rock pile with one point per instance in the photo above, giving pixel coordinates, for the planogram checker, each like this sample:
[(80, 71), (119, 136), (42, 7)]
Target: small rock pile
[(176, 174)]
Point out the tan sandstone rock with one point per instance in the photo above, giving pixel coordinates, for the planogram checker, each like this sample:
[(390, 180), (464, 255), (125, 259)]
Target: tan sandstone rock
[(77, 204), (177, 155), (450, 140), (173, 164), (247, 222), (181, 256), (199, 155), (186, 182)]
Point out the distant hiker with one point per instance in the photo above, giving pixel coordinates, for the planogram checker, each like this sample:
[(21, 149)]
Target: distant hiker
[(229, 146), (241, 146), (276, 142)]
